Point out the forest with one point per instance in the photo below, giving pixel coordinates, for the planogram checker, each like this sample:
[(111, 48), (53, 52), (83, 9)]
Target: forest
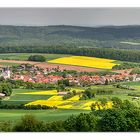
[(77, 36), (116, 54)]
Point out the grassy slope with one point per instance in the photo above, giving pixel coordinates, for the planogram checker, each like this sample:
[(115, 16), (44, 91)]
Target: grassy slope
[(17, 98), (120, 93), (46, 115), (24, 56), (59, 114)]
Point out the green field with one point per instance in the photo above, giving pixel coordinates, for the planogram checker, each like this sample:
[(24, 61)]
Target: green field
[(24, 56), (17, 98), (8, 64), (45, 115), (60, 114)]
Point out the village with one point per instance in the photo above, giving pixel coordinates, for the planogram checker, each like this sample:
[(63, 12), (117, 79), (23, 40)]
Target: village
[(34, 74)]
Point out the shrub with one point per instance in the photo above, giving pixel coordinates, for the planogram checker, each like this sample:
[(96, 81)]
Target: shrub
[(6, 89), (28, 123), (88, 94), (38, 58)]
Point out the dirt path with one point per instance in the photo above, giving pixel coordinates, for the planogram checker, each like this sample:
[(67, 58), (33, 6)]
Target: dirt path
[(50, 65)]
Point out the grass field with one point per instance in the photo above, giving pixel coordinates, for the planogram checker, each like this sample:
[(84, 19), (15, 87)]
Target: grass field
[(24, 56), (45, 115), (86, 62), (18, 97), (66, 107), (8, 64), (48, 92)]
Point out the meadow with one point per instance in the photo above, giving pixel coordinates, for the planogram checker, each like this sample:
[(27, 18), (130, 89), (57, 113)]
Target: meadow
[(65, 107), (45, 115), (25, 56)]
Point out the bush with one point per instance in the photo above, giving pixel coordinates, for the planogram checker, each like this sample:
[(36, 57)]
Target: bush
[(88, 94), (38, 58), (123, 87), (6, 89), (69, 95), (28, 123), (29, 107), (113, 121), (104, 92), (81, 123)]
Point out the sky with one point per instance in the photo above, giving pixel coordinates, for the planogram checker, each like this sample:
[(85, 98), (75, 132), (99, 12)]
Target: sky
[(69, 16)]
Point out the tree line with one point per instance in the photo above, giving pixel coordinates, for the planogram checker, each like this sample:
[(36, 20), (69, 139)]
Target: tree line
[(116, 54)]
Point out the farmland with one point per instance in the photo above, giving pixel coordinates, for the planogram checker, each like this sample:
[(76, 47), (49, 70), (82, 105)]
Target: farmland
[(24, 56), (15, 59), (61, 109), (85, 61), (66, 107)]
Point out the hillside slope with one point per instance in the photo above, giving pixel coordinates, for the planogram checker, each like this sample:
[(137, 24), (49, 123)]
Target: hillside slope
[(108, 37)]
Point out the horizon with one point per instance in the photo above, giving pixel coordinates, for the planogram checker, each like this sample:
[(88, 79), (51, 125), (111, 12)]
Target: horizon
[(89, 17), (95, 26)]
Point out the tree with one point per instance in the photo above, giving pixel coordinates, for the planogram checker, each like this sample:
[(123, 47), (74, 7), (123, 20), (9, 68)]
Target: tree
[(70, 124), (106, 82), (55, 126), (81, 123), (117, 103), (88, 94), (113, 120), (127, 105), (28, 123), (38, 58), (86, 122), (103, 102), (132, 117), (6, 89)]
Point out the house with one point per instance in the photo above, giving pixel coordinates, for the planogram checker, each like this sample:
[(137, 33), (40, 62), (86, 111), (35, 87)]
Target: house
[(62, 93), (2, 95), (6, 73)]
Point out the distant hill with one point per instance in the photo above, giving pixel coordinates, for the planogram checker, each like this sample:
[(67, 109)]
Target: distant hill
[(108, 36)]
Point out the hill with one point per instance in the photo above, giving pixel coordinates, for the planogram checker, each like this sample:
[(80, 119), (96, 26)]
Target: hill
[(108, 36)]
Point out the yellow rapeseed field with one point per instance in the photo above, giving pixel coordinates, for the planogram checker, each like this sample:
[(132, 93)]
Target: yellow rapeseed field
[(55, 98), (47, 103), (74, 98), (71, 103), (48, 92), (68, 104), (85, 61)]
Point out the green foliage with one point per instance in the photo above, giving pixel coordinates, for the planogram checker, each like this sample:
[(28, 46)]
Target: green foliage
[(61, 87), (55, 126), (69, 95), (116, 54), (70, 124), (65, 82), (38, 58), (133, 120), (123, 86), (117, 102), (81, 123), (28, 123), (113, 121), (88, 94), (135, 71), (104, 91), (5, 126), (6, 89), (126, 65), (29, 107)]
